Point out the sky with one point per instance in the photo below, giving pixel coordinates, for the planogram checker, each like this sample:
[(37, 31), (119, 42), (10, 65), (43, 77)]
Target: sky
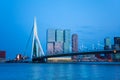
[(92, 20)]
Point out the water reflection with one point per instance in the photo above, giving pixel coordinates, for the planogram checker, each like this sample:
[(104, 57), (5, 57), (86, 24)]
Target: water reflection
[(74, 71), (59, 72)]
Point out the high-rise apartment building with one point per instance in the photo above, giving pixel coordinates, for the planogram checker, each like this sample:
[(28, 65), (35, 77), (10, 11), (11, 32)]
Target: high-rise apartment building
[(107, 46), (50, 41), (50, 35), (117, 41), (67, 41), (107, 43), (50, 48), (116, 57), (74, 45), (58, 47), (58, 41), (59, 35)]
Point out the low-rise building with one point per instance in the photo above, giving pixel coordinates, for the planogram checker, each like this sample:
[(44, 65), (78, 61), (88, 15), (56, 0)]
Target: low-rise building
[(2, 56)]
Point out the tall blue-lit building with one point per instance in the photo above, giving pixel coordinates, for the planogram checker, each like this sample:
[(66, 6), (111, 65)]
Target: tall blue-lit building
[(107, 43), (58, 41), (51, 35), (50, 41), (116, 45), (59, 37), (67, 41), (107, 46)]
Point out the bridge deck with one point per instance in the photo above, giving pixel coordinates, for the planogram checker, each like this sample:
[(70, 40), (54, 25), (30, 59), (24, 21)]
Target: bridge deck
[(81, 53)]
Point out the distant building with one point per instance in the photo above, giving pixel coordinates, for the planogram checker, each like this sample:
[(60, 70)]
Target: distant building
[(67, 36), (117, 41), (107, 43), (58, 41), (50, 48), (50, 35), (74, 45), (59, 35), (19, 57), (2, 56), (116, 57), (107, 46), (58, 47), (67, 42), (50, 41)]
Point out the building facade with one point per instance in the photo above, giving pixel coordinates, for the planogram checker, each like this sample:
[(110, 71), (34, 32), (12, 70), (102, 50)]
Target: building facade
[(117, 41), (67, 42), (107, 46), (50, 41), (2, 56), (107, 42), (50, 35), (58, 41), (59, 35), (50, 48), (58, 47), (74, 45), (116, 57)]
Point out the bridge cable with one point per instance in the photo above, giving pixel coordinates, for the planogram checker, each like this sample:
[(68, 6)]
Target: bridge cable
[(28, 41)]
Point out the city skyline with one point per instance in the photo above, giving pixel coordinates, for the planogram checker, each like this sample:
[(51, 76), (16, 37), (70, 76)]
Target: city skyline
[(91, 20)]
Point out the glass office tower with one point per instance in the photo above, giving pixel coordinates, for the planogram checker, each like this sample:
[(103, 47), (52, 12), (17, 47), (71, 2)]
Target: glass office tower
[(50, 35), (67, 41), (50, 41), (59, 35), (117, 46), (107, 46), (58, 41)]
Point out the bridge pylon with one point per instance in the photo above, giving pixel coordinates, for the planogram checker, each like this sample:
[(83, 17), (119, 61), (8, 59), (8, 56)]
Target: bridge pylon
[(37, 50)]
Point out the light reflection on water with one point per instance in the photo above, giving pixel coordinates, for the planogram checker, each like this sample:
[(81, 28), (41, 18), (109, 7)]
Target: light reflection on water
[(61, 71)]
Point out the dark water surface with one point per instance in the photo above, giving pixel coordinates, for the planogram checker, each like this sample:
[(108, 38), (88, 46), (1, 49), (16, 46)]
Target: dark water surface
[(60, 71)]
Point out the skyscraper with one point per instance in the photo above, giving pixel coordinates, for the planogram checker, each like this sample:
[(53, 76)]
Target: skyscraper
[(107, 46), (107, 43), (50, 48), (58, 41), (74, 45), (58, 47), (67, 41), (50, 35), (66, 35), (59, 35), (116, 57), (117, 41), (50, 41)]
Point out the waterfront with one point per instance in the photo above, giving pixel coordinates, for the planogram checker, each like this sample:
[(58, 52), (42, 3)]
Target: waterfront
[(60, 71)]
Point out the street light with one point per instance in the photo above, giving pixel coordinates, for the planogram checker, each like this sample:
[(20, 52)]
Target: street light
[(114, 51)]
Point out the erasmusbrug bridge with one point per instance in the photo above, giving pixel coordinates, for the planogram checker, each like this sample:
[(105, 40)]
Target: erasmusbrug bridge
[(38, 54)]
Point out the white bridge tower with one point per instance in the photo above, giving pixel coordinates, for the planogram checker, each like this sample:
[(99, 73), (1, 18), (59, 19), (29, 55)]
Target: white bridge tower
[(37, 50)]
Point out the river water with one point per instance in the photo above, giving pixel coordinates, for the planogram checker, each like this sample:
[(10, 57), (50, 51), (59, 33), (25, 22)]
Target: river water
[(60, 71)]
